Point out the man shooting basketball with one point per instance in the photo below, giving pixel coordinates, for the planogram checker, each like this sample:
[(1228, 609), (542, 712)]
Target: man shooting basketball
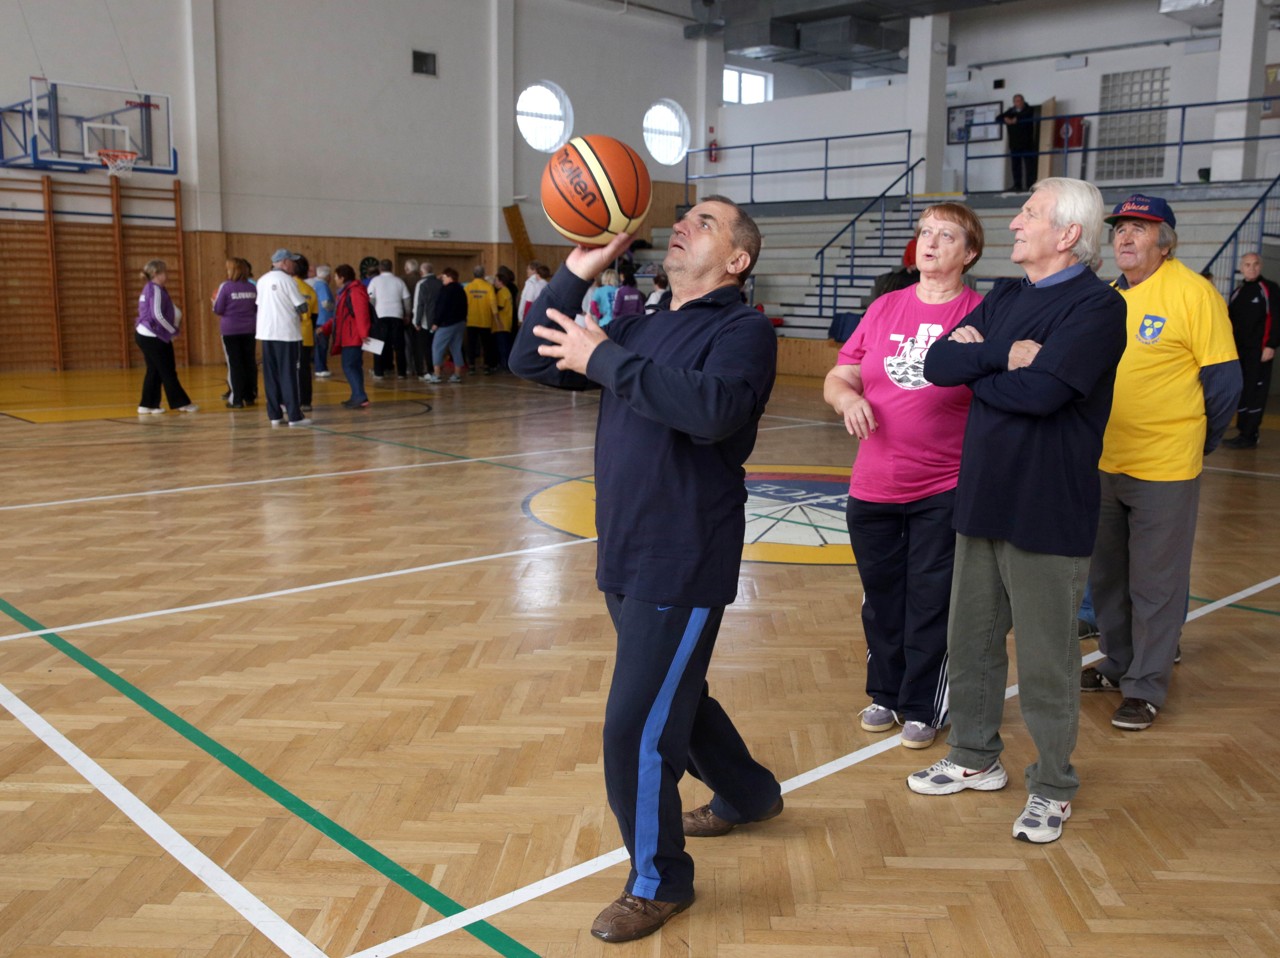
[(682, 393)]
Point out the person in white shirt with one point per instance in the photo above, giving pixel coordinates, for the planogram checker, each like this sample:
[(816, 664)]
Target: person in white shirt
[(535, 282), (280, 308), (391, 304)]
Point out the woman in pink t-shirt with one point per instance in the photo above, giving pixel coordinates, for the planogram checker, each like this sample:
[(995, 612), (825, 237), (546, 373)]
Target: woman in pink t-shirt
[(902, 488)]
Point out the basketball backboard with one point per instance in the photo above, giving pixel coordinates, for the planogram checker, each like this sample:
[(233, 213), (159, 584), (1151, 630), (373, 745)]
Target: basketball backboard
[(61, 126)]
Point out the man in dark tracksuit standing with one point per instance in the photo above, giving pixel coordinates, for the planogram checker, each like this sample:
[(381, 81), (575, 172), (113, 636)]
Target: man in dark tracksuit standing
[(683, 390), (1257, 335)]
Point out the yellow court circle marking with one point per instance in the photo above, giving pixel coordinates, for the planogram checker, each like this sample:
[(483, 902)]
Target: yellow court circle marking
[(795, 514)]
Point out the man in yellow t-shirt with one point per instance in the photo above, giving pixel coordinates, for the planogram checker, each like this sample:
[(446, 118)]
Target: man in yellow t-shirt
[(482, 310), (1176, 390)]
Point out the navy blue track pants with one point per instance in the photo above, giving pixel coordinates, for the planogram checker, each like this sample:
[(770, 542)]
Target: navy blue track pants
[(659, 722)]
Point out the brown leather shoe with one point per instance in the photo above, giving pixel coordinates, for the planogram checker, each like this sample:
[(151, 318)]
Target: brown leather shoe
[(704, 823), (630, 917)]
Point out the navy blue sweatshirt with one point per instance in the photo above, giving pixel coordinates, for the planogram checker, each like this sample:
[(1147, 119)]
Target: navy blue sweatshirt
[(1029, 467), (682, 394)]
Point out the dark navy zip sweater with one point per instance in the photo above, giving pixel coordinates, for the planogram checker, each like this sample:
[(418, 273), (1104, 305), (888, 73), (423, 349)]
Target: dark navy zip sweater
[(682, 394), (1029, 468)]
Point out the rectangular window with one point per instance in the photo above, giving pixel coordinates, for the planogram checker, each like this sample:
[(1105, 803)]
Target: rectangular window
[(424, 63), (1123, 137), (747, 86)]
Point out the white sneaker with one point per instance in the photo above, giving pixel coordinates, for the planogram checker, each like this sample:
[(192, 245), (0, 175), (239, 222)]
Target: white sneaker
[(947, 778), (1041, 821), (300, 422), (148, 411), (455, 378), (432, 378), (189, 407), (323, 375), (276, 422)]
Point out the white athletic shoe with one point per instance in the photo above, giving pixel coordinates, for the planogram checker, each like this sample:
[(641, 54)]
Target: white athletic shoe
[(148, 411), (947, 778), (1041, 821), (300, 422), (189, 407)]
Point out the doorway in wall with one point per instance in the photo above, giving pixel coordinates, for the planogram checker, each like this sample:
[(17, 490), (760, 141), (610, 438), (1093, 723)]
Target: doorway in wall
[(460, 259)]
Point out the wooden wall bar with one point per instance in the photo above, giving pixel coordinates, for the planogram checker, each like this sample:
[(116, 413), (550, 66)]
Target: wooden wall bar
[(73, 251)]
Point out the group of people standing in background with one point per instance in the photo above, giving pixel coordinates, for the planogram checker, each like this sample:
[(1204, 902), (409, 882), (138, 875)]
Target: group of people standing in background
[(302, 317)]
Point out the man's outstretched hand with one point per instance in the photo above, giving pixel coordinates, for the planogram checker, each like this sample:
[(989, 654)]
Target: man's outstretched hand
[(567, 342)]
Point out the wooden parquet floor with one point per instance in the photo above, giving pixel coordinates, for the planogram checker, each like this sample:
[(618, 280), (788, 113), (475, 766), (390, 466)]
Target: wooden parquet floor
[(310, 692)]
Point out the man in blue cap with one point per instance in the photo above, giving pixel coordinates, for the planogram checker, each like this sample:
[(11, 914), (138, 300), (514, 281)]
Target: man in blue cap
[(1176, 389), (280, 308)]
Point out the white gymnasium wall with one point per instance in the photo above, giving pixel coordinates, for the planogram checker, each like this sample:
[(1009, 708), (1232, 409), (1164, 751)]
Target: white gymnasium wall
[(613, 67), (324, 129), (822, 115), (1042, 29), (318, 127), (132, 44), (321, 127), (789, 81), (1048, 27), (75, 41)]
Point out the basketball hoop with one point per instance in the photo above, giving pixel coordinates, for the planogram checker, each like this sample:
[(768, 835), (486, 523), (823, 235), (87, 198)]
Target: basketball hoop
[(117, 162)]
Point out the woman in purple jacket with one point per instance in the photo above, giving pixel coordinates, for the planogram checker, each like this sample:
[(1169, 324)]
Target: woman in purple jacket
[(158, 321), (236, 305)]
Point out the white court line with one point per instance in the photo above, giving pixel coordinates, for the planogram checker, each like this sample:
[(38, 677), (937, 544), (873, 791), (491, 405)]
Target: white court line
[(250, 907), (803, 419), (303, 478), (1233, 598), (1242, 472), (537, 889), (297, 590), (214, 486)]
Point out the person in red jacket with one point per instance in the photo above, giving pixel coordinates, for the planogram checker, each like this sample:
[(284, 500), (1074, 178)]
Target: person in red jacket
[(347, 332)]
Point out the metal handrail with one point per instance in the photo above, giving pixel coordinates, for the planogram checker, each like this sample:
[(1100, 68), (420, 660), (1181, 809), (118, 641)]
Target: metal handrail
[(1181, 143), (1221, 268), (852, 229), (826, 168)]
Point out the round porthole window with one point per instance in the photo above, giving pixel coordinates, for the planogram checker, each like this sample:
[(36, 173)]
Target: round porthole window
[(544, 116), (666, 132)]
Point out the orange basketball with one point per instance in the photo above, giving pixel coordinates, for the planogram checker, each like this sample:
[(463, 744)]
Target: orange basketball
[(595, 187)]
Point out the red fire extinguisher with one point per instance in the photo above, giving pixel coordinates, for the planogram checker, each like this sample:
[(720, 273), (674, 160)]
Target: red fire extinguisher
[(713, 152)]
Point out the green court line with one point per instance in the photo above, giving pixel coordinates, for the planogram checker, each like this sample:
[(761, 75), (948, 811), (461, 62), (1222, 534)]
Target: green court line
[(500, 942)]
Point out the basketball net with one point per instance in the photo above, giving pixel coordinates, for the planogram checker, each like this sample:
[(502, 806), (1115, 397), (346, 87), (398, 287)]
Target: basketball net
[(118, 162)]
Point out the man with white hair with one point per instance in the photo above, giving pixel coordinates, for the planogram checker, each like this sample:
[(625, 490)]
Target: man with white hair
[(1040, 356)]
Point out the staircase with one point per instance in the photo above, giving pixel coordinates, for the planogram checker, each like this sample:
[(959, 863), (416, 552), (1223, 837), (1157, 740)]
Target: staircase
[(786, 277)]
